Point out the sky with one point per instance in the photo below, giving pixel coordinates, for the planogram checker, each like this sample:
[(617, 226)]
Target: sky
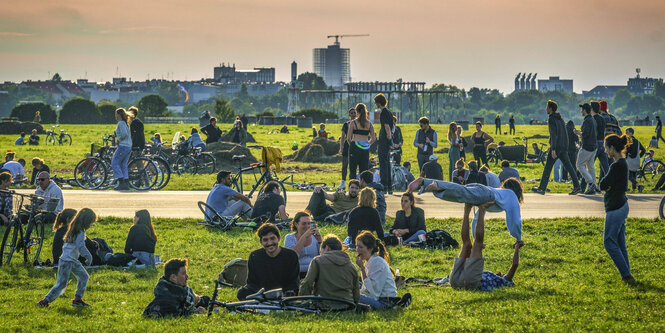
[(481, 43)]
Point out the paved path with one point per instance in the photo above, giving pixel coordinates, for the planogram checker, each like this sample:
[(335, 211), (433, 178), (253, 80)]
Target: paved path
[(181, 204)]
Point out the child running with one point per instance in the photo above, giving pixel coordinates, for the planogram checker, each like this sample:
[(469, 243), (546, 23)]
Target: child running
[(74, 246)]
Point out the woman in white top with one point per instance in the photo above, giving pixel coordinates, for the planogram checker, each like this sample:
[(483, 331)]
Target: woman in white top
[(378, 279), (121, 155), (454, 151), (304, 240)]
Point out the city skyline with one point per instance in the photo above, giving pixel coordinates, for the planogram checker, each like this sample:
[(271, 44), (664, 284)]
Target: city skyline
[(482, 44)]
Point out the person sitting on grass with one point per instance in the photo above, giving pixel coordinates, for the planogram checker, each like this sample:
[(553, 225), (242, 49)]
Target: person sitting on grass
[(432, 169), (270, 203), (304, 240), (59, 230), (410, 221), (173, 297), (460, 174), (490, 177), (156, 140), (38, 166), (20, 141), (6, 198), (378, 287), (340, 201), (322, 131), (272, 266), (507, 171), (507, 198), (17, 169), (195, 141), (331, 274), (475, 176), (227, 201), (212, 132), (142, 238), (407, 172), (74, 246), (364, 217), (467, 272), (33, 139), (367, 180)]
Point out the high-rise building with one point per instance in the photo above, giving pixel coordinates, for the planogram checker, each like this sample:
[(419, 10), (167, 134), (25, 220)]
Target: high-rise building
[(333, 65)]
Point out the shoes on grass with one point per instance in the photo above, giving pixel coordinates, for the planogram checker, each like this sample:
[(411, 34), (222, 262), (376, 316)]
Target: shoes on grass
[(42, 303), (404, 301), (79, 302)]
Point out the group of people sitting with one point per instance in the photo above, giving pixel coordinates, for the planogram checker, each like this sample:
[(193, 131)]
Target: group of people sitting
[(33, 139)]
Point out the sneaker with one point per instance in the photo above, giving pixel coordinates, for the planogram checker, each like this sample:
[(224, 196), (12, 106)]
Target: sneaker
[(598, 189), (576, 190), (42, 303), (404, 301), (342, 185), (590, 191), (79, 302), (537, 190)]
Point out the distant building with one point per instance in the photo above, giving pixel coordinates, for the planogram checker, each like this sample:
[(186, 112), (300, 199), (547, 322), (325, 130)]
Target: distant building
[(602, 92), (636, 85), (554, 83), (60, 90), (333, 64), (524, 82), (229, 74)]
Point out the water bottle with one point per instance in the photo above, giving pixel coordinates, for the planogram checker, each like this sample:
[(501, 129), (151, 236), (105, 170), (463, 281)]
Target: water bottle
[(399, 240)]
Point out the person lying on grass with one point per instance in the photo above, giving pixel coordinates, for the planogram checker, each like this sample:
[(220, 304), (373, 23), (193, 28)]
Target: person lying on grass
[(506, 198), (467, 272), (172, 295)]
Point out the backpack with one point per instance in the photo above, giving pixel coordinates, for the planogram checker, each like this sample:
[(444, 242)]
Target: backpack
[(234, 273), (119, 259), (440, 239), (102, 248)]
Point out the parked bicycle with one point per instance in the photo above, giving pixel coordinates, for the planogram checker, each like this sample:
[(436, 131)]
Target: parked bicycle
[(31, 239), (63, 139), (266, 175), (650, 171), (193, 160)]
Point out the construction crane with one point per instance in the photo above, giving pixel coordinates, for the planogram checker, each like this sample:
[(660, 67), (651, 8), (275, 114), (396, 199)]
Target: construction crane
[(337, 37)]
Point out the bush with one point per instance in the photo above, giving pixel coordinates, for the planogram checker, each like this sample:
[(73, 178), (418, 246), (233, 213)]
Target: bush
[(153, 106), (107, 111), (26, 112), (266, 114), (317, 115), (80, 111)]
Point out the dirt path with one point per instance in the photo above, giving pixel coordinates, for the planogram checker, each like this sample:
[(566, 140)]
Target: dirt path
[(182, 204)]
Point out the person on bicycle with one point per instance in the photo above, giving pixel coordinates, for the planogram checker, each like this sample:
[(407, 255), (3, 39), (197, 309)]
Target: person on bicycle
[(212, 132), (6, 200), (173, 297), (227, 201), (341, 202), (331, 274), (50, 191), (271, 266), (37, 167), (270, 203), (136, 129)]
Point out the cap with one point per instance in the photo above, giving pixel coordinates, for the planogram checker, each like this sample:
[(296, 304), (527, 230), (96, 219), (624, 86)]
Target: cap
[(586, 107), (433, 157), (603, 106)]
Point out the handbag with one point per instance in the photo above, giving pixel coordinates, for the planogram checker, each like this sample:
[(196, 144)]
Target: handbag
[(634, 162)]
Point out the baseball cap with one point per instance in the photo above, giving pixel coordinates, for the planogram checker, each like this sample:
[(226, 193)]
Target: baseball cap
[(433, 157)]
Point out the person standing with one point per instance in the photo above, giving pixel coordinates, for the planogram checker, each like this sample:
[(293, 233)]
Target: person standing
[(600, 138), (121, 155), (136, 129), (480, 142), (558, 149), (659, 129), (454, 151), (385, 141), (463, 142), (398, 141), (360, 130), (587, 153), (425, 140), (497, 123), (615, 184), (344, 147), (573, 141), (212, 132), (511, 124)]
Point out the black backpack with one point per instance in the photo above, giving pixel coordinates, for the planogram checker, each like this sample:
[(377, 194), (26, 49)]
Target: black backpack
[(119, 259), (440, 239)]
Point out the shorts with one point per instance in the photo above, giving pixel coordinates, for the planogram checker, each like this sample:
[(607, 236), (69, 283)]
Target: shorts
[(467, 274)]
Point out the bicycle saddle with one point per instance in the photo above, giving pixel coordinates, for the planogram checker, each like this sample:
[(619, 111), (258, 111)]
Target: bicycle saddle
[(237, 157), (257, 295)]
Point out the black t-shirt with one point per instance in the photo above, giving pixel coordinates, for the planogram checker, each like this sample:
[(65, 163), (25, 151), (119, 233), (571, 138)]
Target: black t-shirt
[(432, 170), (600, 127), (213, 133), (35, 172), (267, 203), (138, 239), (136, 131), (345, 148), (364, 218), (282, 271), (386, 119), (615, 184)]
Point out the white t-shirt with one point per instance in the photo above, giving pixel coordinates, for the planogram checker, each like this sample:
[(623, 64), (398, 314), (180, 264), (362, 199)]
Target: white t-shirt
[(15, 168)]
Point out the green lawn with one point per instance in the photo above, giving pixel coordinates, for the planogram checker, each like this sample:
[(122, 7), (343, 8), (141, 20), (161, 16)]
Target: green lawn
[(64, 159), (566, 282)]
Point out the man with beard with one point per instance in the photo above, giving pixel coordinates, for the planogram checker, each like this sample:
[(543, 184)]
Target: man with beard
[(172, 295), (340, 201)]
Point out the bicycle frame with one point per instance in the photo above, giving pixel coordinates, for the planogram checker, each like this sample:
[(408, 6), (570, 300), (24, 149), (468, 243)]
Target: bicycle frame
[(265, 177)]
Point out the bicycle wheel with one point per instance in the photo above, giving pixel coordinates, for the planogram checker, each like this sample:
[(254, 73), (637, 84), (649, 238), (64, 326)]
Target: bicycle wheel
[(143, 173), (211, 216), (13, 234), (35, 239), (165, 173), (318, 303), (90, 173), (50, 140), (66, 140), (186, 164), (661, 209), (652, 170), (281, 187), (206, 163)]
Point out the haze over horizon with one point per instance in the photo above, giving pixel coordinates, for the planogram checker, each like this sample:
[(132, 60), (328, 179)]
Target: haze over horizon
[(481, 43)]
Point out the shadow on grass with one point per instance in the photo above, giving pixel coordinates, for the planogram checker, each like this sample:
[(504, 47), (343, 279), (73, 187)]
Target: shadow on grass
[(647, 286), (512, 295)]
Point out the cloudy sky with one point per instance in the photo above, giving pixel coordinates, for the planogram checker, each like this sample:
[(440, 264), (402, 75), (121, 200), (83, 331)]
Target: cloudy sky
[(468, 43)]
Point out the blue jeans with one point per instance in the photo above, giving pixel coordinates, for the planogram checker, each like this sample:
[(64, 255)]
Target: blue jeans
[(65, 268), (120, 161), (601, 155), (414, 237), (381, 303), (145, 258), (453, 156), (615, 239), (474, 194), (557, 170)]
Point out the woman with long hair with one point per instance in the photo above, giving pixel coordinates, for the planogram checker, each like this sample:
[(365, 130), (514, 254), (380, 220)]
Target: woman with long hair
[(73, 248), (615, 184), (142, 238), (344, 147), (122, 151), (304, 240), (462, 140), (410, 221), (360, 137), (59, 229), (364, 217), (480, 142), (454, 151), (238, 133)]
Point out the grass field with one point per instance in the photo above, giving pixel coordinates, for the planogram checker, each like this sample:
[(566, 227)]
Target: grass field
[(64, 159), (565, 282)]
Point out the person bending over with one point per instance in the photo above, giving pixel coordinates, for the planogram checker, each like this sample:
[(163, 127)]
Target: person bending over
[(173, 297), (364, 217), (270, 203), (225, 200), (142, 238), (272, 266), (304, 240), (410, 221), (467, 272), (340, 202), (332, 273)]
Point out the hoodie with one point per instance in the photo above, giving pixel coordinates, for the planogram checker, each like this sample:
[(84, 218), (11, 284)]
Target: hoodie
[(558, 135), (332, 275), (170, 300)]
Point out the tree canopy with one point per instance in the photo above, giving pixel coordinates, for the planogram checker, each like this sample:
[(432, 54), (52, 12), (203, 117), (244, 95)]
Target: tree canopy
[(153, 106), (80, 111)]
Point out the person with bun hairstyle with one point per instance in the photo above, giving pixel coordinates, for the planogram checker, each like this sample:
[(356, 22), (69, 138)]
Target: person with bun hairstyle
[(59, 229), (615, 184), (378, 278)]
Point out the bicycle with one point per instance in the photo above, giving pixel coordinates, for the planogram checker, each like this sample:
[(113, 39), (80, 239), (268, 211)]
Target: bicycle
[(650, 170), (31, 239), (63, 138), (274, 300), (266, 176), (95, 172), (661, 209), (307, 186), (224, 223), (194, 160), (493, 154)]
